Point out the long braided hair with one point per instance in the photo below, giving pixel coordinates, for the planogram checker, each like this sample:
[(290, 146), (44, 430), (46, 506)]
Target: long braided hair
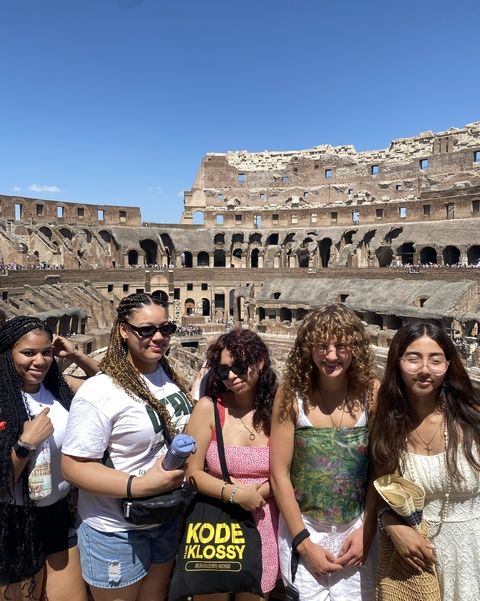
[(117, 365), (13, 414)]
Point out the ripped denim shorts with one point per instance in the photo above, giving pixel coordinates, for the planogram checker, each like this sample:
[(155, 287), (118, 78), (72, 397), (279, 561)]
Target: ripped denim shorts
[(118, 559)]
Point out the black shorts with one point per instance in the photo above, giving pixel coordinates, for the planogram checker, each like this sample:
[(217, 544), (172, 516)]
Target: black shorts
[(53, 532)]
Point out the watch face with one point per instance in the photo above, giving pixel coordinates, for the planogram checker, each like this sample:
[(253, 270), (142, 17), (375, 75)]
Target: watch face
[(21, 451)]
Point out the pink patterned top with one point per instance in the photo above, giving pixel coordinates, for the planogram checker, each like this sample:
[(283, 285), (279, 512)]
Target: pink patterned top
[(251, 465)]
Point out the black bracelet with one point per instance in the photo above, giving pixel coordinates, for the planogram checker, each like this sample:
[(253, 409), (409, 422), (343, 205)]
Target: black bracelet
[(300, 537), (129, 486)]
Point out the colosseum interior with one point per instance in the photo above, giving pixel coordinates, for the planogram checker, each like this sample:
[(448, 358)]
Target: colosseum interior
[(392, 233)]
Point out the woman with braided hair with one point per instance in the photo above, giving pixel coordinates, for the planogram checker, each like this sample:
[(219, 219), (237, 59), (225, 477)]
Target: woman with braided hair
[(38, 557), (114, 421)]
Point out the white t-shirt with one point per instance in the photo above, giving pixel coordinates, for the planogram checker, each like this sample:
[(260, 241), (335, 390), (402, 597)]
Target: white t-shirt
[(103, 417), (36, 402)]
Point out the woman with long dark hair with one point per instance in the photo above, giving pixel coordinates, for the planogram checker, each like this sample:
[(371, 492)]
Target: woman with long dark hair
[(243, 382), (114, 441), (427, 427), (319, 454), (39, 556)]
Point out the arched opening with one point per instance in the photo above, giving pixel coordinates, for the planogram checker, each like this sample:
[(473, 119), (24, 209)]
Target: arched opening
[(324, 250), (187, 259), (384, 256), (393, 233), (205, 307), (473, 255), (202, 259), (272, 240), (189, 306), (285, 314), (87, 234), (237, 239), (47, 232), (256, 238), (451, 255), (162, 295), (237, 258), (347, 236), (254, 258), (289, 238), (219, 258), (301, 314), (406, 252), (303, 257), (169, 248), (105, 235), (198, 217), (150, 249), (428, 255), (66, 233), (219, 239), (132, 257), (261, 313)]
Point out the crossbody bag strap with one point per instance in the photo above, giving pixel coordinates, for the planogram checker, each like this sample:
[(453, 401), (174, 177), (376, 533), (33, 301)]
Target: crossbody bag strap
[(220, 445)]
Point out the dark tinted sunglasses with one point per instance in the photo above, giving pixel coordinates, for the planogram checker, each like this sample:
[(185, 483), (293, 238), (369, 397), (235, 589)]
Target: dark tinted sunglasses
[(239, 368), (166, 329)]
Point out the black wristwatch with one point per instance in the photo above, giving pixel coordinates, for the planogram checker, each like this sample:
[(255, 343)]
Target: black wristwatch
[(23, 450)]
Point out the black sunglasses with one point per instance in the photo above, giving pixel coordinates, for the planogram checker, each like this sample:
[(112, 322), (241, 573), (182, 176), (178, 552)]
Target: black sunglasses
[(166, 329), (238, 369)]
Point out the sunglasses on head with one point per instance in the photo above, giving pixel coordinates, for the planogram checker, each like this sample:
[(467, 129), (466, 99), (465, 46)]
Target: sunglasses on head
[(239, 368), (166, 329)]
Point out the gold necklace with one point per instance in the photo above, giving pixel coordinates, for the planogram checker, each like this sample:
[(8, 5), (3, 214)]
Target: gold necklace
[(251, 432), (427, 446), (342, 407)]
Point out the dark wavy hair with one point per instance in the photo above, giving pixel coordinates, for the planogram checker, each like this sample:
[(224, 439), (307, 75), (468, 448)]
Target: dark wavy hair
[(300, 375), (125, 374), (457, 398), (14, 413), (245, 345)]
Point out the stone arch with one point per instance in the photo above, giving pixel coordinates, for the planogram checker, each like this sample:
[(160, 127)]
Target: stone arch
[(187, 259), (219, 258), (451, 255), (285, 314), (255, 238), (198, 217), (86, 233), (289, 238), (205, 307), (347, 236), (324, 248), (150, 249), (238, 238), (105, 235), (384, 256), (66, 233), (162, 295), (272, 240), (237, 257), (219, 239), (428, 255), (302, 256), (473, 255), (189, 306), (203, 259), (169, 247), (133, 257), (407, 253), (254, 258), (46, 231)]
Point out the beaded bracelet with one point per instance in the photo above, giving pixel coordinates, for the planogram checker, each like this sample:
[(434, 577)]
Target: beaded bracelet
[(222, 491), (234, 492), (380, 514)]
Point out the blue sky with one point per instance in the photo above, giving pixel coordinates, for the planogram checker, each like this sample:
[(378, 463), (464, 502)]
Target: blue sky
[(117, 101)]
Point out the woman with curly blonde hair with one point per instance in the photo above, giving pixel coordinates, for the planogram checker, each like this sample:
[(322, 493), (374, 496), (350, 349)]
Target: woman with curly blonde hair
[(319, 458)]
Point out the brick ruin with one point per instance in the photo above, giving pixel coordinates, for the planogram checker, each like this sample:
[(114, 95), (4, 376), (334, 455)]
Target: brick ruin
[(393, 233)]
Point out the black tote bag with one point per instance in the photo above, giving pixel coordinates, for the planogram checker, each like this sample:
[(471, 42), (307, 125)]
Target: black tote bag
[(220, 549)]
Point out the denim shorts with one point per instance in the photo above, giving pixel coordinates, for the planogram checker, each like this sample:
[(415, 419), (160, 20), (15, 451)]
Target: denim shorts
[(118, 559)]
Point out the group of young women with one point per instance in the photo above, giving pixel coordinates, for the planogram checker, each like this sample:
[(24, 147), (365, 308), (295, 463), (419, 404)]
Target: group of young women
[(302, 456)]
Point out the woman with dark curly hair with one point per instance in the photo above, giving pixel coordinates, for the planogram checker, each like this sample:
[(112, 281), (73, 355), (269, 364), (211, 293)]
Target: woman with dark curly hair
[(38, 552), (115, 442), (319, 455), (242, 380), (427, 427)]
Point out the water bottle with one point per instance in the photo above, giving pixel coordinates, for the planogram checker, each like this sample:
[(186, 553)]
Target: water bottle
[(40, 472), (181, 447)]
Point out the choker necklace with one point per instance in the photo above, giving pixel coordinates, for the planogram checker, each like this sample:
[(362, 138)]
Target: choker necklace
[(251, 432), (427, 446)]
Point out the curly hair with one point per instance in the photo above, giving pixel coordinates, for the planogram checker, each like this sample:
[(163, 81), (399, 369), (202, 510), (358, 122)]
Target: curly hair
[(457, 398), (14, 413), (245, 345), (117, 365), (300, 374)]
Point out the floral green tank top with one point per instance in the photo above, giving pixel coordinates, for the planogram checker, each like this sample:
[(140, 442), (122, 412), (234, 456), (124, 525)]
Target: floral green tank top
[(329, 472)]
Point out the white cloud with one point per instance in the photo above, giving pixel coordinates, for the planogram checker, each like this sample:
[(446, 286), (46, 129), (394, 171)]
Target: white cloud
[(155, 189), (16, 189), (42, 188)]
